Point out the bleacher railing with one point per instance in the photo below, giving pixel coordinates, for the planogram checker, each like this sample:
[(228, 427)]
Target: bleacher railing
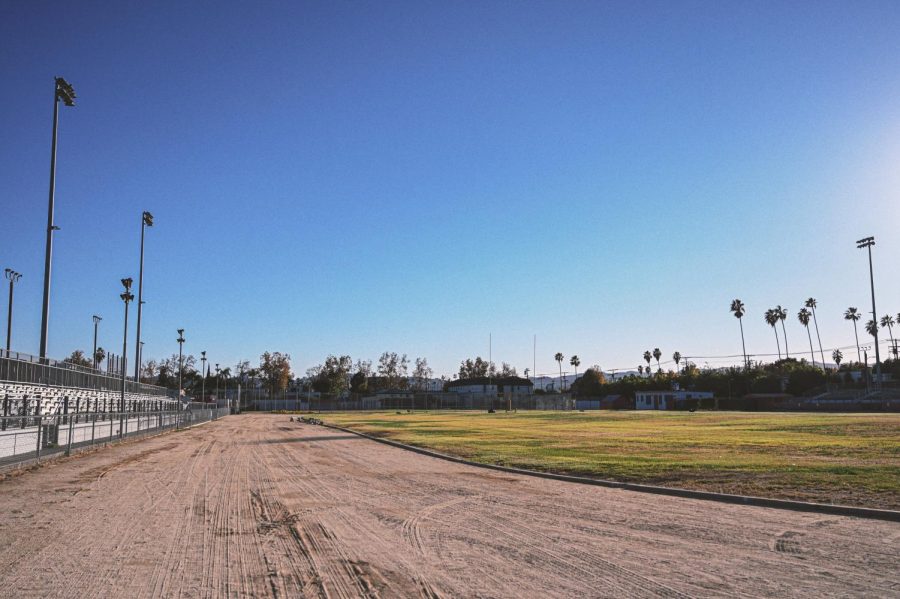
[(27, 439), (16, 367)]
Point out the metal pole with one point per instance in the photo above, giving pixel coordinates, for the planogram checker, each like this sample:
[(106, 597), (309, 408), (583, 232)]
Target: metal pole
[(875, 320), (203, 375), (45, 311), (97, 320), (146, 220), (13, 277), (180, 362)]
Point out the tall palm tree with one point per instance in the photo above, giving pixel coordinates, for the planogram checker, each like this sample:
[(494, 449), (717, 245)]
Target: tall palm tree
[(657, 354), (576, 363), (803, 316), (782, 315), (648, 356), (640, 369), (772, 321), (854, 315), (677, 357), (737, 308), (887, 322), (559, 358), (811, 304), (872, 327), (837, 355)]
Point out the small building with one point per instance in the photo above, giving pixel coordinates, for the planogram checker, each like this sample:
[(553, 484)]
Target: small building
[(669, 400), (491, 386)]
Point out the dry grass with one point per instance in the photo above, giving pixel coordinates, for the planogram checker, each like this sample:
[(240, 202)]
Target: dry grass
[(831, 458)]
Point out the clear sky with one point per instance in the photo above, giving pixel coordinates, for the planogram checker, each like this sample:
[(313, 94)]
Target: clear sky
[(357, 177)]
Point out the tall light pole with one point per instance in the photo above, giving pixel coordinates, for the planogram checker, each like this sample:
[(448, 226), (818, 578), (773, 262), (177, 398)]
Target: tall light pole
[(146, 221), (126, 296), (203, 374), (868, 242), (13, 278), (97, 320), (180, 363), (217, 384), (63, 91)]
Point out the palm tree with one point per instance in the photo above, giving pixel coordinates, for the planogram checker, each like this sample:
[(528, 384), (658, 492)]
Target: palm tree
[(576, 363), (737, 308), (657, 354), (772, 320), (872, 328), (559, 358), (837, 356), (803, 316), (640, 369), (854, 315), (782, 315), (677, 357), (648, 356), (99, 356), (811, 304), (888, 323)]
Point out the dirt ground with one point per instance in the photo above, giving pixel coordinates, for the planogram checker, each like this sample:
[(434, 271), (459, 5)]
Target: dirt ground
[(255, 505)]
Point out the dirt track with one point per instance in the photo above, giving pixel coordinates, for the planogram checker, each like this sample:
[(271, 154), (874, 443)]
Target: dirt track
[(255, 505)]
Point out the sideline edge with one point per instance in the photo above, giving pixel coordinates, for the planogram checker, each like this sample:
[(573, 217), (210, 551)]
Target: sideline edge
[(784, 504)]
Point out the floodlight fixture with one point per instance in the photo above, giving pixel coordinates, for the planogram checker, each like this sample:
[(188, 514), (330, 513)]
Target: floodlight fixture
[(65, 92)]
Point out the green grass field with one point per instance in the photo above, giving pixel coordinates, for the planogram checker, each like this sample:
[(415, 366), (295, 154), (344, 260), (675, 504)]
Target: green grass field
[(851, 459)]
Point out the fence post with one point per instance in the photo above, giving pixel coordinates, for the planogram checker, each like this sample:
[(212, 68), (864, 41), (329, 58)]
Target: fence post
[(39, 440), (69, 444), (93, 424)]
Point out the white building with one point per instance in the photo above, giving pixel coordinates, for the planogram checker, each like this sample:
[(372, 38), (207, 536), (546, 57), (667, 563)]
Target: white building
[(668, 400)]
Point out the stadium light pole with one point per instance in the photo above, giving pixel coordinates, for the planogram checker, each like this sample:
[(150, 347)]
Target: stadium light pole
[(180, 363), (97, 320), (146, 221), (867, 243), (63, 91), (126, 296), (13, 277), (217, 384), (203, 374)]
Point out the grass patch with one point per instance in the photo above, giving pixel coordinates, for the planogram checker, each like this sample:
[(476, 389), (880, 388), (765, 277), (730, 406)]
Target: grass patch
[(849, 459)]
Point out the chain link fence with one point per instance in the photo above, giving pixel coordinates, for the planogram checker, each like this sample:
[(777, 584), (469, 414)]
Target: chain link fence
[(305, 402)]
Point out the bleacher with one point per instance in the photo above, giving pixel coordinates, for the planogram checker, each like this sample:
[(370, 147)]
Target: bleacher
[(23, 399)]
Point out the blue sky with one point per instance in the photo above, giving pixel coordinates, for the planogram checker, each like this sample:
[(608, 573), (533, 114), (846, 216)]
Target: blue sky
[(360, 177)]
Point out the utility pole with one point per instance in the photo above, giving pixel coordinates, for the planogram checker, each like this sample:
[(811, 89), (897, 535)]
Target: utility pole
[(126, 296), (180, 363)]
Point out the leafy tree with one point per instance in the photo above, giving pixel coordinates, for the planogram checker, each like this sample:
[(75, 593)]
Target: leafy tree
[(590, 384), (737, 308), (811, 304), (853, 314), (772, 321), (275, 368), (803, 316), (421, 373), (657, 355), (78, 358), (477, 368), (507, 371), (393, 369), (576, 362), (559, 358), (332, 376)]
